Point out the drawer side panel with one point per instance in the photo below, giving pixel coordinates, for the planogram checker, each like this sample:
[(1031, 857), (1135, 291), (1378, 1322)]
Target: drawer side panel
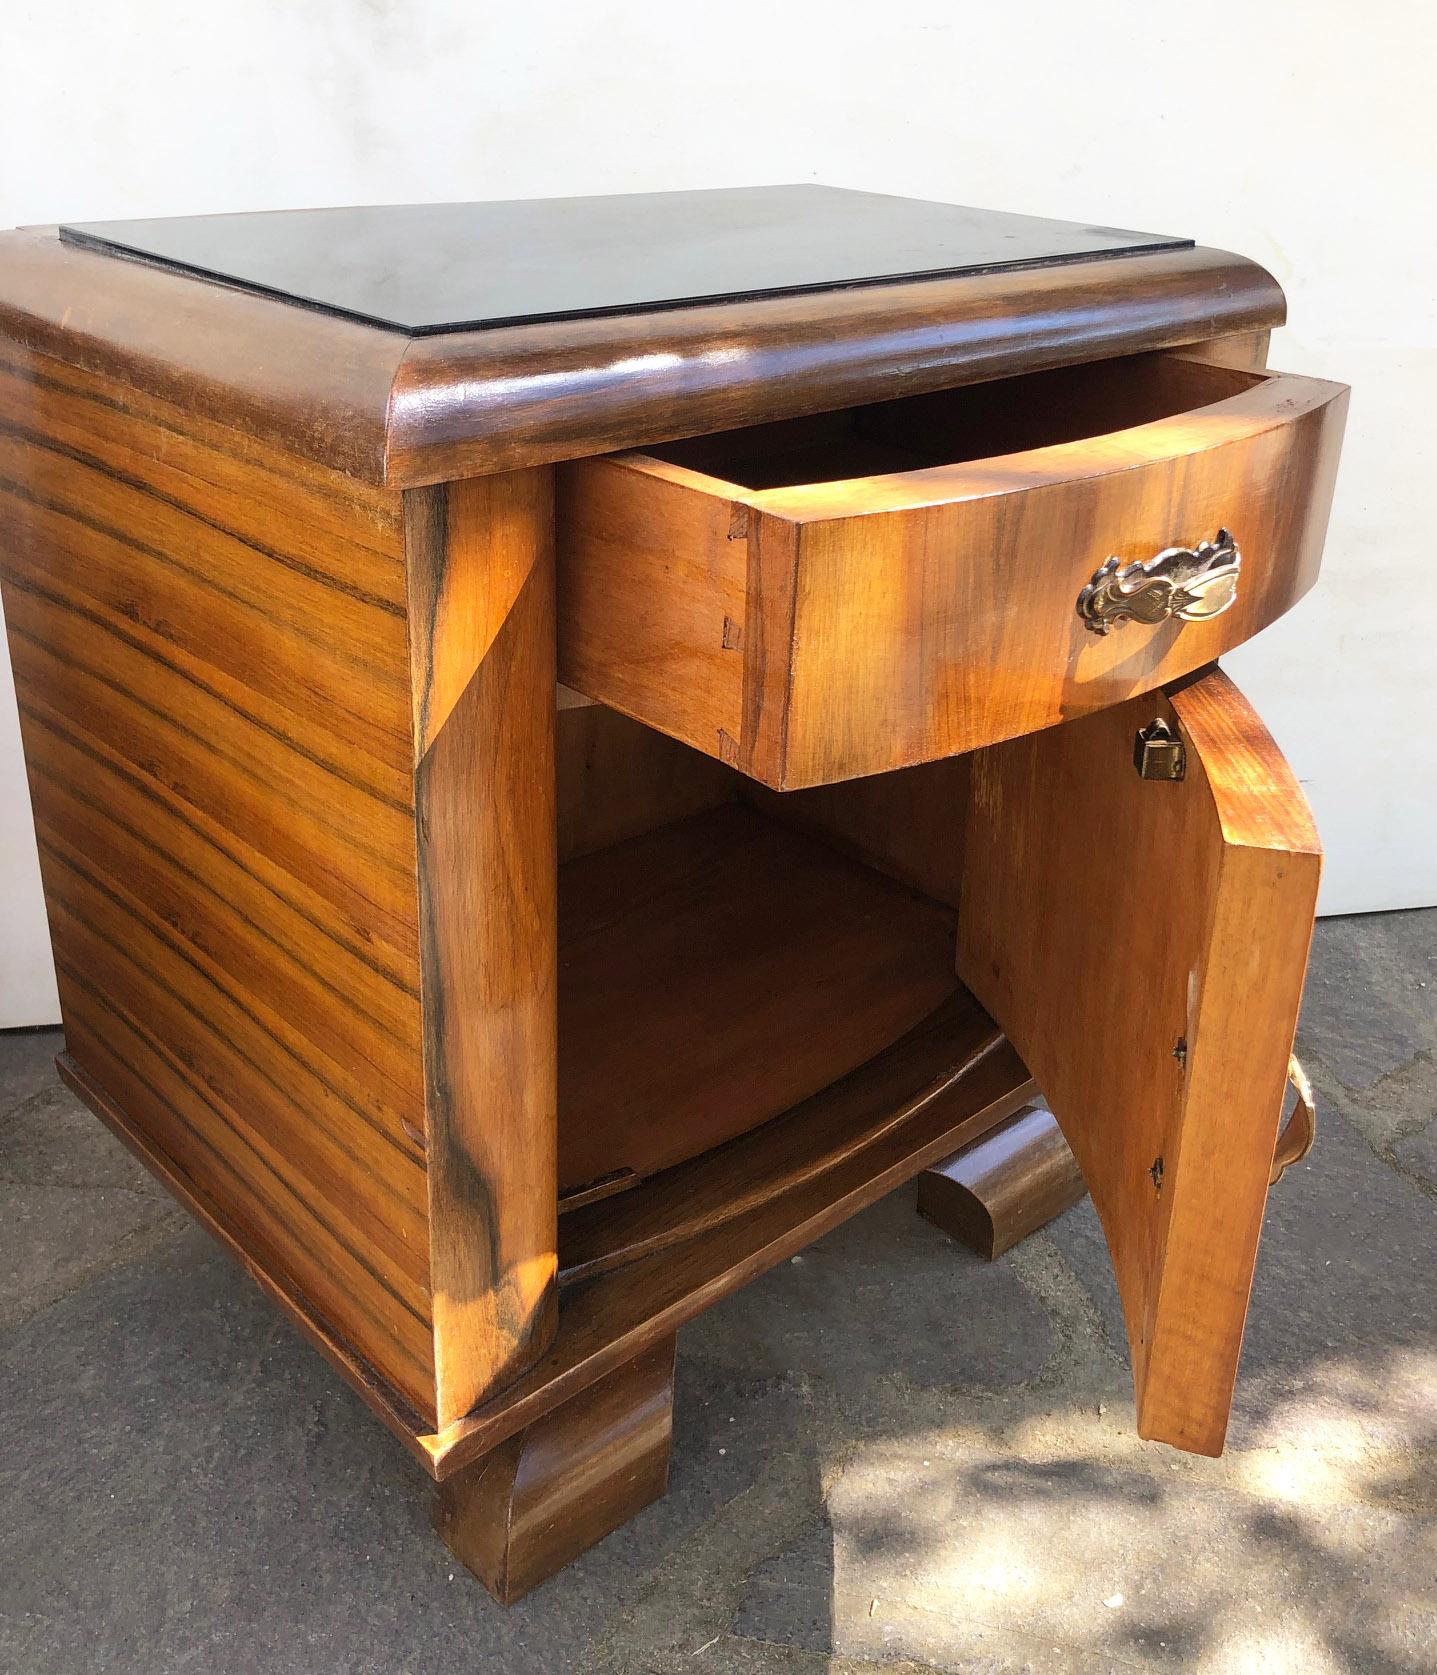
[(651, 600)]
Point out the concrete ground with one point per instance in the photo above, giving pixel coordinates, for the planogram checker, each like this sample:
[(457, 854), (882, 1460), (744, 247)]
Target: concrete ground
[(888, 1455)]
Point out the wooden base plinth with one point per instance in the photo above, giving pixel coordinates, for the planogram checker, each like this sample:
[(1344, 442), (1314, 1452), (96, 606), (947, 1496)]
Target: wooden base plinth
[(1005, 1186), (550, 1492)]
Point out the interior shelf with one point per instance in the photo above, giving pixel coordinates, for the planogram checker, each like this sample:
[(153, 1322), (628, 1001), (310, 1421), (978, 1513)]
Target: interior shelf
[(634, 1267), (717, 972), (758, 1036)]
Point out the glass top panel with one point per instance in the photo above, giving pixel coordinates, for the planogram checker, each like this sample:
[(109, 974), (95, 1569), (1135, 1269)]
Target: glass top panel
[(422, 268)]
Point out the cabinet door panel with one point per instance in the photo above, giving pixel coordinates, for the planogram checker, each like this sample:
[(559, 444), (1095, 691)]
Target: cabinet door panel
[(1143, 943)]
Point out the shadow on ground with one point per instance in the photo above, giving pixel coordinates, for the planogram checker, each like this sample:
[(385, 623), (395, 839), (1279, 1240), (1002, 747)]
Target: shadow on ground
[(888, 1455)]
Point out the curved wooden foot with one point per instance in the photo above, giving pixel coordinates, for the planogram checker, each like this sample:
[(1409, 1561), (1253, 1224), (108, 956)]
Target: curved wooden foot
[(994, 1193), (548, 1494)]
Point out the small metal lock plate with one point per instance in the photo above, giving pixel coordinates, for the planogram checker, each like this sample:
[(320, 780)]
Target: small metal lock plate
[(1158, 752)]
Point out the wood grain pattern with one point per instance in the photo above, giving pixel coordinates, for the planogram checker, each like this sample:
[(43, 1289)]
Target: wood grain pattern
[(210, 657), (566, 1481), (290, 743), (305, 382), (617, 779), (407, 412), (716, 972), (472, 548), (481, 569), (995, 1192), (481, 401), (606, 1321), (882, 1096), (909, 824), (1162, 1047), (899, 618), (648, 561)]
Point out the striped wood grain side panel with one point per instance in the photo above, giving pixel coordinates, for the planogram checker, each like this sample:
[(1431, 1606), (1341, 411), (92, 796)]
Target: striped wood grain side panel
[(211, 659)]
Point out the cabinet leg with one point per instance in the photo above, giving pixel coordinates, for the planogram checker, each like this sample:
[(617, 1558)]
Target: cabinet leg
[(1003, 1187), (566, 1481)]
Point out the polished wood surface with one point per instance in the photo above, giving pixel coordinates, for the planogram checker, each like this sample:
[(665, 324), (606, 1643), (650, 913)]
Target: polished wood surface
[(565, 1481), (998, 1190), (606, 1321), (256, 697), (808, 625), (909, 824), (408, 412), (654, 588), (308, 384), (888, 1093), (499, 1032), (617, 779), (559, 392), (716, 972), (1161, 1040), (480, 564), (211, 664)]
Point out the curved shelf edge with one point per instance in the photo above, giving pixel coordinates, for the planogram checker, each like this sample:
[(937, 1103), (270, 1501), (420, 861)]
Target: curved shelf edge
[(787, 1152), (944, 1084)]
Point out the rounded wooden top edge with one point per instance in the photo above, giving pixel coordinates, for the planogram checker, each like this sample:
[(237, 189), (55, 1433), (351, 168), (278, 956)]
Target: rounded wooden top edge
[(314, 384), (401, 412), (468, 403)]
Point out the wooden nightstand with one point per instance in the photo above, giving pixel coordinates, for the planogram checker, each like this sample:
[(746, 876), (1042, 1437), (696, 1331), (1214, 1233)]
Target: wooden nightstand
[(883, 550)]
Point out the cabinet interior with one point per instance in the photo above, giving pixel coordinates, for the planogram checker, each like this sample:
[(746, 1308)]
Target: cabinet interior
[(733, 960)]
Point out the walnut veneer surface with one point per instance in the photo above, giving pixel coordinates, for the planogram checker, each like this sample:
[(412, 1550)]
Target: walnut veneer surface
[(822, 599), (400, 411), (498, 1037)]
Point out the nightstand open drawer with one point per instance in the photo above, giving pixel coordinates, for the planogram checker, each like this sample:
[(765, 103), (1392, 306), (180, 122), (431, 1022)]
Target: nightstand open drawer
[(837, 596)]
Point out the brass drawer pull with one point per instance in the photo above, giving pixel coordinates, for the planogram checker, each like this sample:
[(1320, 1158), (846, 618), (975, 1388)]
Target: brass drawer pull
[(1300, 1129), (1191, 584)]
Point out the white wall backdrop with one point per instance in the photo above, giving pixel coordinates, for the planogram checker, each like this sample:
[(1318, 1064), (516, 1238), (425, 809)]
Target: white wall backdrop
[(1303, 136)]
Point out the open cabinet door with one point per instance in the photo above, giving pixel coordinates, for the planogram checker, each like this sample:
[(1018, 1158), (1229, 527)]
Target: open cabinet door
[(1143, 942)]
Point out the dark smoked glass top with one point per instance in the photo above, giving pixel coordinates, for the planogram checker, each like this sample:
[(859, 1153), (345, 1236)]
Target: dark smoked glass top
[(422, 268)]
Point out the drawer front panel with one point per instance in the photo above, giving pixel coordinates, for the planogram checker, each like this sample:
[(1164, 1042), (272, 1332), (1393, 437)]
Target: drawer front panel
[(928, 630), (893, 619)]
